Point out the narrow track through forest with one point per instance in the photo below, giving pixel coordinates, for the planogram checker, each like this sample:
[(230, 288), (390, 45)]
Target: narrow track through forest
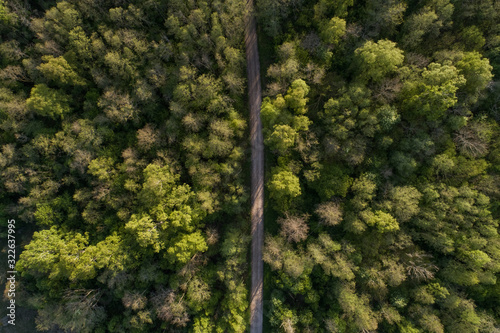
[(257, 181)]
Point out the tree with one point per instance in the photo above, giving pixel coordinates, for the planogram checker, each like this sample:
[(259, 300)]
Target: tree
[(81, 43), (296, 96), (330, 213), (148, 137), (418, 25), (376, 60), (48, 102), (477, 73), (185, 246), (332, 181), (472, 140), (170, 308), (382, 17), (117, 106), (59, 71), (472, 38), (282, 138), (332, 31), (357, 308), (325, 8), (433, 93), (404, 202), (384, 222), (283, 186), (6, 16), (294, 228), (79, 310), (144, 231)]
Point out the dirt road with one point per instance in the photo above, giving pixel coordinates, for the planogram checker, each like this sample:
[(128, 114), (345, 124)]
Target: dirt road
[(257, 145)]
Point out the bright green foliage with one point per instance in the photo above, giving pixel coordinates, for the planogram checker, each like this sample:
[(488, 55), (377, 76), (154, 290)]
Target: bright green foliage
[(144, 231), (185, 247), (130, 248), (477, 73), (296, 96), (384, 222), (158, 182), (332, 31), (270, 113), (202, 325), (283, 187), (432, 94), (48, 102), (377, 60), (395, 168), (69, 257), (59, 71), (43, 254), (82, 44), (6, 16), (282, 138)]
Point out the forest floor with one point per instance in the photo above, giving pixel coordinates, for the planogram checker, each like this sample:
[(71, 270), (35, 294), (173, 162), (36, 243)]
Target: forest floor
[(257, 181)]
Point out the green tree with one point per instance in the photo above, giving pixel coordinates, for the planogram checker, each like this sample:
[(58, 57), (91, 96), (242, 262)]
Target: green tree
[(433, 93), (376, 60), (144, 232), (332, 31), (48, 102), (283, 187), (477, 73), (282, 138), (6, 17), (59, 71)]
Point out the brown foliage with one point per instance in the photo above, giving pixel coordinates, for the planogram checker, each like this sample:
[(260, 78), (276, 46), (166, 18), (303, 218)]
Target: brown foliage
[(273, 252), (330, 213), (148, 137), (134, 300), (169, 308), (470, 141), (418, 266), (294, 228)]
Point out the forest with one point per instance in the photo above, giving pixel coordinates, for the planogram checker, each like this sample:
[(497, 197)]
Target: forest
[(381, 124)]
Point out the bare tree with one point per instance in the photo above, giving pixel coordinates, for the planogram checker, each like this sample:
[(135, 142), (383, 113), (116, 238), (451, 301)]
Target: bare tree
[(330, 213), (294, 228), (134, 300), (418, 266), (470, 141), (170, 308), (287, 325), (273, 250), (147, 137)]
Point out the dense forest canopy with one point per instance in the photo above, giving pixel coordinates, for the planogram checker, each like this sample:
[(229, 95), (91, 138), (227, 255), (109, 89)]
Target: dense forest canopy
[(124, 158)]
